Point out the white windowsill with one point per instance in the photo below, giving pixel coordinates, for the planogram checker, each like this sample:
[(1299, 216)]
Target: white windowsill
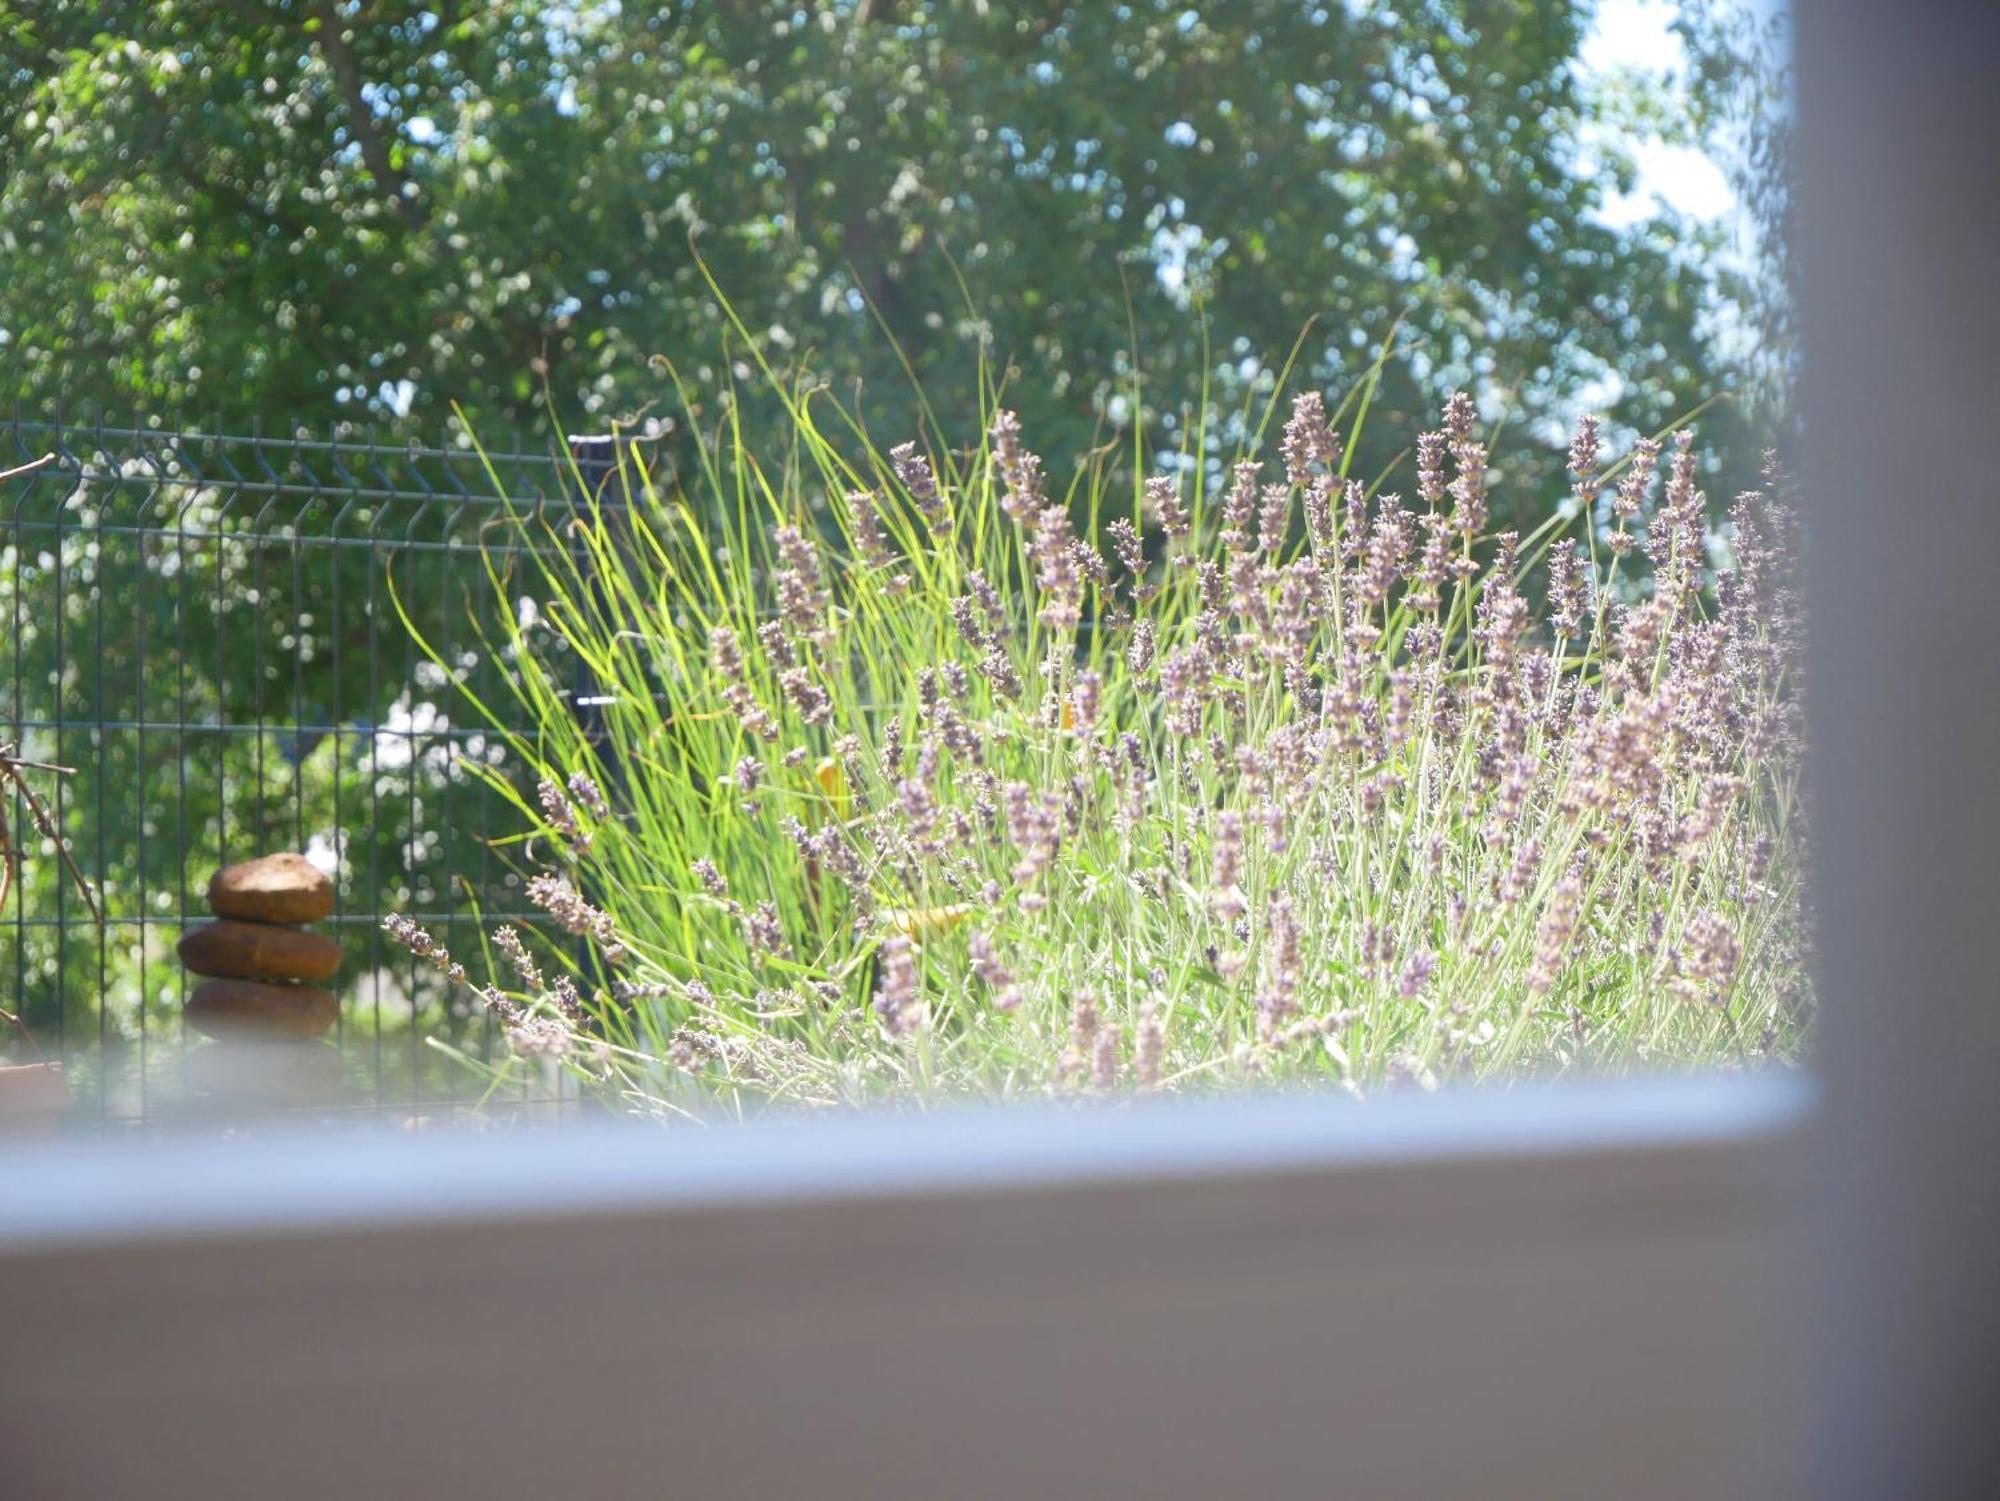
[(293, 1182)]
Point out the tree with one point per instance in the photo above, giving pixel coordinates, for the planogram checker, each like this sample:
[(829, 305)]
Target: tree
[(307, 211)]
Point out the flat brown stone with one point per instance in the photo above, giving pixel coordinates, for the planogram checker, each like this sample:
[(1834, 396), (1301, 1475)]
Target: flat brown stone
[(250, 1008), (258, 951), (255, 1073), (283, 888)]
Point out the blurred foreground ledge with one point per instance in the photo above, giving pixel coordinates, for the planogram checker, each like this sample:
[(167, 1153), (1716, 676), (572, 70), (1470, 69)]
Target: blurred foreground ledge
[(1547, 1292)]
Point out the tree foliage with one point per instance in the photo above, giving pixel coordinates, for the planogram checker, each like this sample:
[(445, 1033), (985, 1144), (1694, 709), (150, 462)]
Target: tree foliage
[(307, 211)]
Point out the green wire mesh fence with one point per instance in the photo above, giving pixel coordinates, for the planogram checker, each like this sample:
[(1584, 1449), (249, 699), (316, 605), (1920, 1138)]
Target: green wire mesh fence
[(204, 627)]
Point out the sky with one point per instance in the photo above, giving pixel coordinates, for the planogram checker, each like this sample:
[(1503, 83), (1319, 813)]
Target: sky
[(1638, 34)]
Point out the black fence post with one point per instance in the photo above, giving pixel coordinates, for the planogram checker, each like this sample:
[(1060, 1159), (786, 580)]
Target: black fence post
[(600, 482), (599, 489)]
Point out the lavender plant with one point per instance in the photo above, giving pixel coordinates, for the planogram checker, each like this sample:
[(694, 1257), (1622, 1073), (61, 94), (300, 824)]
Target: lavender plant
[(921, 774)]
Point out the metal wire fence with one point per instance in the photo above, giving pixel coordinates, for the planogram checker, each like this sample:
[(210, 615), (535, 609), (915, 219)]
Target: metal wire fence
[(206, 628)]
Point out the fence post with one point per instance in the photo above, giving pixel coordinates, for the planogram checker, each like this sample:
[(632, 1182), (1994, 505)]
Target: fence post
[(598, 489)]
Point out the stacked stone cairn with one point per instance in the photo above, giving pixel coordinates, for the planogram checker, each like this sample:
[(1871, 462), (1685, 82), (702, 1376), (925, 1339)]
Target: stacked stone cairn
[(263, 996)]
